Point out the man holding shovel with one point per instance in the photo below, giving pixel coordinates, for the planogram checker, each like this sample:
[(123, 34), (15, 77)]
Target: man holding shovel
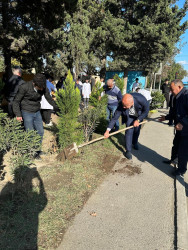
[(134, 108)]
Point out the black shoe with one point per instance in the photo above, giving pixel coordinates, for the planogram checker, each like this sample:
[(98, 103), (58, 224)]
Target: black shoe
[(178, 172), (128, 155), (135, 146), (167, 162)]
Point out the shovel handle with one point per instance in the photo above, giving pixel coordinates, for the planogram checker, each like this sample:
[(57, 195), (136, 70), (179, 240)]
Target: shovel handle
[(114, 133)]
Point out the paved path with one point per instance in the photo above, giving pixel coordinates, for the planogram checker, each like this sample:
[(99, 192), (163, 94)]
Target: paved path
[(131, 210)]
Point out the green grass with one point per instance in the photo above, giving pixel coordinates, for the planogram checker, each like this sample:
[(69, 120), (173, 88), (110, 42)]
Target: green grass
[(42, 208)]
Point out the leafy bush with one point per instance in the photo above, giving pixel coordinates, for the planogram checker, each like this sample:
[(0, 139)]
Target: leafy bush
[(157, 100), (119, 82), (23, 144), (90, 119), (68, 100), (95, 95)]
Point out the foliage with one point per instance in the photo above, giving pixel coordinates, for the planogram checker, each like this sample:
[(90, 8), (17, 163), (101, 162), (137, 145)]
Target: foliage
[(157, 100), (26, 29), (2, 65), (83, 34), (68, 100), (119, 82), (23, 144), (174, 68), (95, 99), (90, 118)]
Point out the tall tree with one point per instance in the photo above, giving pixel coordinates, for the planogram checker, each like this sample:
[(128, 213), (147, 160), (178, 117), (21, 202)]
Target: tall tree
[(134, 34), (174, 70), (26, 29), (155, 27)]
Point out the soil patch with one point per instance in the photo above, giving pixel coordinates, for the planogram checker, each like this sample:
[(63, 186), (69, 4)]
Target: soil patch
[(57, 180), (128, 169), (108, 162)]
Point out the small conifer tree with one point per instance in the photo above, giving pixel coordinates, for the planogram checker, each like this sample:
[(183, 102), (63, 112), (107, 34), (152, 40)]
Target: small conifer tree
[(119, 82), (68, 100), (95, 99)]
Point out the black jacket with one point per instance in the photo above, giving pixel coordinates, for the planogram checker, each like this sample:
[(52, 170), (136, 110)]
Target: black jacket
[(11, 87), (141, 106), (165, 88), (28, 99), (180, 111)]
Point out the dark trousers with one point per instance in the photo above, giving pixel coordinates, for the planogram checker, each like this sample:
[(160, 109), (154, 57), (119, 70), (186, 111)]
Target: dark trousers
[(33, 121), (131, 135), (166, 95), (110, 111), (175, 147), (46, 115), (183, 154)]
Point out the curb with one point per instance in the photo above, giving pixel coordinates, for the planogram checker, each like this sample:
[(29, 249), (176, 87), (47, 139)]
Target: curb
[(181, 215)]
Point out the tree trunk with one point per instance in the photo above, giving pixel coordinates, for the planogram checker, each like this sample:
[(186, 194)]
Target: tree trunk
[(6, 41), (103, 68), (7, 60)]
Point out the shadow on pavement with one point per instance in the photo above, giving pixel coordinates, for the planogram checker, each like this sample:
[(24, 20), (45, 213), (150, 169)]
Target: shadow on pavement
[(21, 203), (145, 154)]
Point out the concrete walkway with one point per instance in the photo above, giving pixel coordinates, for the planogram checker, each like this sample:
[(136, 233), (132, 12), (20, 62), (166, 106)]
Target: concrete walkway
[(134, 207)]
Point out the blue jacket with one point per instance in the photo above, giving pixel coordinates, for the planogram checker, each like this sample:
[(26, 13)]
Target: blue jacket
[(114, 95), (182, 110), (141, 106), (50, 86)]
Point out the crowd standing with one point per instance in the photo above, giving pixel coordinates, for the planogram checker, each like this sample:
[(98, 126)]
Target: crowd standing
[(32, 102)]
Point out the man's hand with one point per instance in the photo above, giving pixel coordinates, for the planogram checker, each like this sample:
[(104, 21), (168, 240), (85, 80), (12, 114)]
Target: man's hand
[(19, 119), (179, 127), (136, 123), (162, 118), (106, 134)]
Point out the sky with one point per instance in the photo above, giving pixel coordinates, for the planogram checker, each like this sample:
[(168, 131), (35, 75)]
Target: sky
[(182, 57)]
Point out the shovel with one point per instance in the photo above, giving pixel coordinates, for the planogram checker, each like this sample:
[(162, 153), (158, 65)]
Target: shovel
[(72, 150)]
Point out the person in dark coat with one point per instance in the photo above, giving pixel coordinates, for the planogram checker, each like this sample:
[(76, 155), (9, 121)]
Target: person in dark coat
[(180, 115), (11, 88), (60, 84), (134, 108), (26, 104), (166, 92)]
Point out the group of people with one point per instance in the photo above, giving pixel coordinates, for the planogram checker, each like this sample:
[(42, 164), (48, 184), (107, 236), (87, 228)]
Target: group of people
[(30, 102), (134, 108)]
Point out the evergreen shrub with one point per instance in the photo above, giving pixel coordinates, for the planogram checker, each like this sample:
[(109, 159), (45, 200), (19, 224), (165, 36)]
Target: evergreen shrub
[(157, 100), (68, 101), (23, 144), (119, 82), (95, 94)]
